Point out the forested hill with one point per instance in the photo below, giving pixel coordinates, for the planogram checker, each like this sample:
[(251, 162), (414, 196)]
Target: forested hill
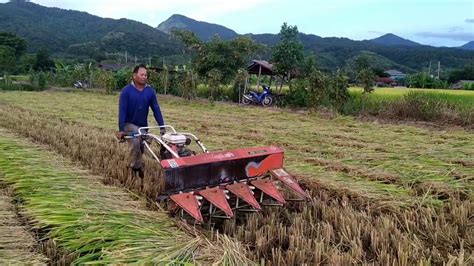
[(391, 39), (203, 30), (388, 51), (334, 52), (468, 46), (80, 33)]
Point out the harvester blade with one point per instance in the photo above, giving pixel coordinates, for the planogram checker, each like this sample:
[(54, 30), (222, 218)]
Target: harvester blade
[(243, 191), (217, 197), (290, 182), (269, 188), (189, 203)]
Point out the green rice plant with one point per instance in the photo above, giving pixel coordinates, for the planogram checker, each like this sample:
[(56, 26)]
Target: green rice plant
[(455, 107), (93, 222)]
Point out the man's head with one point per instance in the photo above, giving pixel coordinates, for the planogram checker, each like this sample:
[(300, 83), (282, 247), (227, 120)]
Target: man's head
[(140, 75)]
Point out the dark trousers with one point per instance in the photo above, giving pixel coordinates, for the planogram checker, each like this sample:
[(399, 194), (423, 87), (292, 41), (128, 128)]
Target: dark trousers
[(137, 147)]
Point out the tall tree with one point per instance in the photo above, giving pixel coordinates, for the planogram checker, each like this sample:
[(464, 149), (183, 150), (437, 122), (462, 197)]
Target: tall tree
[(217, 55), (7, 59), (366, 77), (13, 41), (362, 62), (289, 53), (43, 62)]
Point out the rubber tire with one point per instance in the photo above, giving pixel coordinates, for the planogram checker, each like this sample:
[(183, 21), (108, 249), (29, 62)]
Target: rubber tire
[(246, 101), (267, 101)]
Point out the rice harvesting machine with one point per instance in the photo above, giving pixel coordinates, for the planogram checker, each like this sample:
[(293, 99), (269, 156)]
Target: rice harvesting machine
[(218, 184)]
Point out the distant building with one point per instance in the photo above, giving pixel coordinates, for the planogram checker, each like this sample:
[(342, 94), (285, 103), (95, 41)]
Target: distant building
[(397, 76), (112, 66), (462, 84), (385, 82)]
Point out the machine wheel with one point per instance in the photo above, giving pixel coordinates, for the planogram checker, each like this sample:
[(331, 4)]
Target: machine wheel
[(267, 100), (245, 100)]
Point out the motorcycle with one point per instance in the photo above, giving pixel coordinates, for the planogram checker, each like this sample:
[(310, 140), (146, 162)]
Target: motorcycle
[(81, 84), (264, 98)]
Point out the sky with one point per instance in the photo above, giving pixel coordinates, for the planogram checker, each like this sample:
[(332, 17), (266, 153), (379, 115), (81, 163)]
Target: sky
[(435, 22)]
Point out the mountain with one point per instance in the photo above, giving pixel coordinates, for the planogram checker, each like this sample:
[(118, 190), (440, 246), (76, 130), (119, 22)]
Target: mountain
[(468, 46), (73, 34), (332, 53), (79, 33), (392, 39), (203, 30)]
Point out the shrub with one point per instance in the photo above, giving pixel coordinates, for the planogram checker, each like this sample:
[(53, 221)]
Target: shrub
[(298, 95), (238, 85), (424, 106), (468, 86), (123, 77), (41, 80), (105, 80)]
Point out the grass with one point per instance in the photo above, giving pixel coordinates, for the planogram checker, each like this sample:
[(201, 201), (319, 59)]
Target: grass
[(20, 78), (463, 98), (88, 221), (383, 194), (401, 104)]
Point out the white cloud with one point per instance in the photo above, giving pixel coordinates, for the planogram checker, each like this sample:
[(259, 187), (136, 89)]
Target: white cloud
[(153, 12), (457, 36)]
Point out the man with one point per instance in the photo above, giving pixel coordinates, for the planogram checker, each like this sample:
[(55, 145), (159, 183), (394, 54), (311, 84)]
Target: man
[(135, 100)]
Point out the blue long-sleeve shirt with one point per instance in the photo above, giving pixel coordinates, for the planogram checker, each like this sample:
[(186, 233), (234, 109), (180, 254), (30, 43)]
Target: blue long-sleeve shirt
[(134, 106)]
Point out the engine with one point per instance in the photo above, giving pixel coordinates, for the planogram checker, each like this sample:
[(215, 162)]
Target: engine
[(178, 143)]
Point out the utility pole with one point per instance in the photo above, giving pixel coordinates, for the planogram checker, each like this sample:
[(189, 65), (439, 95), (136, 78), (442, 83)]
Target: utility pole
[(135, 59), (149, 61), (429, 70), (126, 57), (439, 64)]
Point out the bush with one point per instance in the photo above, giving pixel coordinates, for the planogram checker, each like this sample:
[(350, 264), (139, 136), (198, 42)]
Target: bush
[(41, 80), (188, 85), (430, 107), (38, 82), (319, 90), (123, 77), (8, 86), (238, 85), (468, 86), (214, 78), (105, 81)]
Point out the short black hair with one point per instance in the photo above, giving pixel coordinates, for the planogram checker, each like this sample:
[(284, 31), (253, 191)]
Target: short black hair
[(135, 69)]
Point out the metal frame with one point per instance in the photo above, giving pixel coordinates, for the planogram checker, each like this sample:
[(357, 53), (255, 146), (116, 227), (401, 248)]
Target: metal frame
[(143, 132)]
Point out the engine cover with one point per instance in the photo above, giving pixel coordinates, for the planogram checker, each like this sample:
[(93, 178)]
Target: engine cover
[(174, 138)]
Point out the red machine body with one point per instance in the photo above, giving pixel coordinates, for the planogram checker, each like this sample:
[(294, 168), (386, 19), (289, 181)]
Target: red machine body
[(216, 184)]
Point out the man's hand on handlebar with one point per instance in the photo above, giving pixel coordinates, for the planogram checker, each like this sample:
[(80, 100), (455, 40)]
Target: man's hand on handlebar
[(120, 135)]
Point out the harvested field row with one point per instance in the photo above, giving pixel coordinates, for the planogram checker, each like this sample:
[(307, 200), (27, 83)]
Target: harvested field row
[(17, 245), (81, 220), (98, 150), (333, 231), (440, 234), (414, 156)]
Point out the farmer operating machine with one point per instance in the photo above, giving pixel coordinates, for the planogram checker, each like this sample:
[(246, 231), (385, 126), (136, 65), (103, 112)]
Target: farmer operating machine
[(217, 184)]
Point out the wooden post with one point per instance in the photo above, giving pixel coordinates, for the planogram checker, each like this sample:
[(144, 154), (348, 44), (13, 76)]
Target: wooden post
[(258, 78), (245, 88)]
